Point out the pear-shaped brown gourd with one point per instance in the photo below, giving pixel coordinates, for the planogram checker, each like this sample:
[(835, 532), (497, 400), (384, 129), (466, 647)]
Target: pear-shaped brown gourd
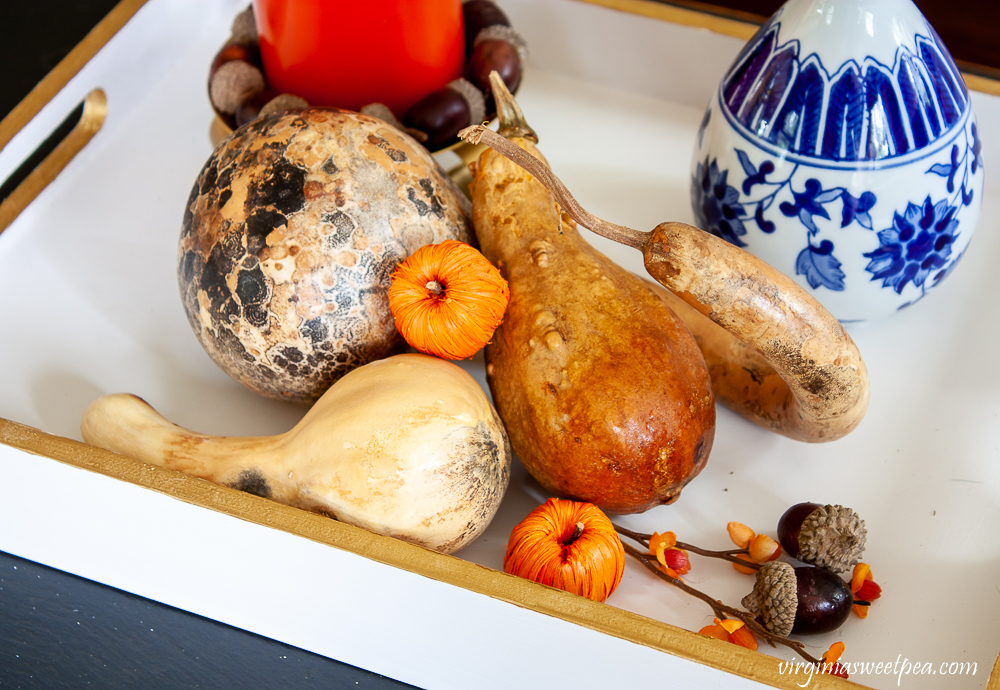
[(407, 447), (775, 354), (603, 390)]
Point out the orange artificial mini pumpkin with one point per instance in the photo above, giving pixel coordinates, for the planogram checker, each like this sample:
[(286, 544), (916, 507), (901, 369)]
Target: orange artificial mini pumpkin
[(447, 299), (569, 545)]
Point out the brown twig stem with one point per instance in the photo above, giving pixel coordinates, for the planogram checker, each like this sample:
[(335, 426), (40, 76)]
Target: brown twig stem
[(720, 609), (652, 565), (634, 536), (728, 555)]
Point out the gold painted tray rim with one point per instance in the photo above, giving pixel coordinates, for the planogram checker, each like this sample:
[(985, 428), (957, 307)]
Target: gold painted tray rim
[(452, 570)]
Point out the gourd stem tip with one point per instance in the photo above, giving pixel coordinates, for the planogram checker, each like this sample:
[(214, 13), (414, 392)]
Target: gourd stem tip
[(512, 122)]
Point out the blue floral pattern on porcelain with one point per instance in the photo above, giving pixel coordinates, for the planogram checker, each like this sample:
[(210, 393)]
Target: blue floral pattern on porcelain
[(853, 165)]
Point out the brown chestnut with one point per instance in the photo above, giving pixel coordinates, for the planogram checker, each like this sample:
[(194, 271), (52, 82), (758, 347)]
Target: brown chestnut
[(490, 55), (790, 524), (477, 15), (440, 114)]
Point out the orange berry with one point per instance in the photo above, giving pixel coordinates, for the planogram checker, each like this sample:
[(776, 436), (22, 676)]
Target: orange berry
[(764, 549), (740, 534), (742, 569)]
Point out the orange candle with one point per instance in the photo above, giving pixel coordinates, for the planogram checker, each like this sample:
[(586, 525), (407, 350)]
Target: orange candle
[(349, 53)]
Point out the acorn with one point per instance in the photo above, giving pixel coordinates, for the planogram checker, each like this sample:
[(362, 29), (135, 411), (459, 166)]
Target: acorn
[(774, 598), (506, 34), (244, 27), (384, 113), (232, 83), (247, 52), (501, 49), (803, 600), (829, 536)]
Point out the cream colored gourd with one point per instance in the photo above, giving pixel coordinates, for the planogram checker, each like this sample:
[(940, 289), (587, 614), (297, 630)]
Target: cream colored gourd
[(407, 447)]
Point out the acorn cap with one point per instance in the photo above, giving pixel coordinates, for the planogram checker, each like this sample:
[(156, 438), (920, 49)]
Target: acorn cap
[(499, 32), (473, 98), (382, 112), (775, 597), (832, 537), (244, 28), (233, 82), (283, 102)]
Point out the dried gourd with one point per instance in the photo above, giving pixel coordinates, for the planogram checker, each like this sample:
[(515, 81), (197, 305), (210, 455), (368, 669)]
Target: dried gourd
[(603, 390), (289, 238), (776, 355), (407, 447)]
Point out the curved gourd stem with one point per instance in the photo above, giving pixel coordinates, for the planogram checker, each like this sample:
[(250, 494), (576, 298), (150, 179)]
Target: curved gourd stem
[(780, 358), (479, 134)]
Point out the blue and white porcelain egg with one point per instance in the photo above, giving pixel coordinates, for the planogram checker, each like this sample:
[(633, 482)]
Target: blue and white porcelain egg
[(841, 148)]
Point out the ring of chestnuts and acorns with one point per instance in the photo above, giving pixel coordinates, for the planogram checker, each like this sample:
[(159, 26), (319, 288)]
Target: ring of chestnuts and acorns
[(239, 93)]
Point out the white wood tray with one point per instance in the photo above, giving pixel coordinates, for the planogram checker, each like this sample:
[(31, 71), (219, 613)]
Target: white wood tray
[(89, 305)]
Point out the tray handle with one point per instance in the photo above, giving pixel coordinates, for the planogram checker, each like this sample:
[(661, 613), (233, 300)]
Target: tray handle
[(51, 156)]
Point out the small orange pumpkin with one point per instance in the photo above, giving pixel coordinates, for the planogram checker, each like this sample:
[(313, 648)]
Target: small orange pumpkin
[(569, 545), (447, 299)]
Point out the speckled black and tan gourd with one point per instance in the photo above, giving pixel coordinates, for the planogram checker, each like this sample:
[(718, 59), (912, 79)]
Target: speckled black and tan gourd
[(289, 239)]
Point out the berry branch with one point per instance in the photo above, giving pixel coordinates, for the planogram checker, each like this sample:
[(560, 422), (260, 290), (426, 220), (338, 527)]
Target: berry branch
[(728, 555), (721, 610)]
